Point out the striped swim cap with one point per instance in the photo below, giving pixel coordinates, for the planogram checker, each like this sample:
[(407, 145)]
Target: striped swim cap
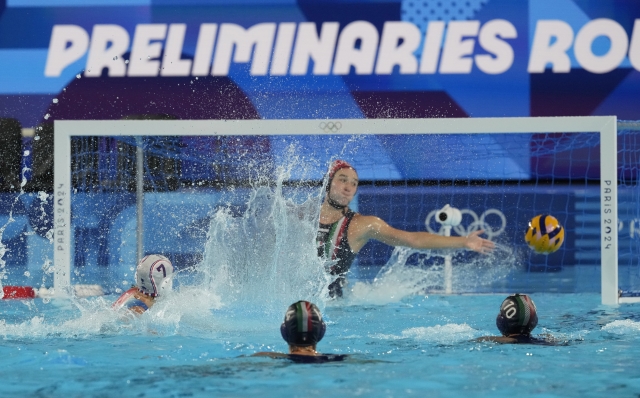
[(517, 315), (303, 324)]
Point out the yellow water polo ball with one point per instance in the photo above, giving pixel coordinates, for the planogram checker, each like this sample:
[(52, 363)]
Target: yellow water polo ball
[(545, 235)]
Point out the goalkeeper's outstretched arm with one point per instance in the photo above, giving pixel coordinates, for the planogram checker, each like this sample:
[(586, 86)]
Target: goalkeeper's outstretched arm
[(365, 228)]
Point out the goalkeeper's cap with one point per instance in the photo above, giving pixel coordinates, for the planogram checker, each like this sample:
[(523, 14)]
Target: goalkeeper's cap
[(154, 275), (518, 315)]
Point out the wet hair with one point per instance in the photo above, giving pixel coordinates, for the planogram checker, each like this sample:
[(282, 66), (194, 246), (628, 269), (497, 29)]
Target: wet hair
[(336, 165), (303, 324), (518, 315)]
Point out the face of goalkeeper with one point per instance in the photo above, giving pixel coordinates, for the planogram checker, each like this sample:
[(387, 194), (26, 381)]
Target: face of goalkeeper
[(343, 187)]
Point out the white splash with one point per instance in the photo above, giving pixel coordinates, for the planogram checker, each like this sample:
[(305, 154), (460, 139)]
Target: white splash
[(412, 272), (265, 259), (440, 334), (625, 326), (188, 311)]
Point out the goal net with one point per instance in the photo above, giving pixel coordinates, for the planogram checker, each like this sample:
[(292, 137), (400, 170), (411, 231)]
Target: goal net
[(133, 187), (628, 163)]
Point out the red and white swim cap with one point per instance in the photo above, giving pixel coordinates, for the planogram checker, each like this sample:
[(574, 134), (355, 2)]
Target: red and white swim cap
[(338, 165), (333, 169)]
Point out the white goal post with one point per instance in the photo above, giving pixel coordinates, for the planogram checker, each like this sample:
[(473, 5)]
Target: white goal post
[(606, 126)]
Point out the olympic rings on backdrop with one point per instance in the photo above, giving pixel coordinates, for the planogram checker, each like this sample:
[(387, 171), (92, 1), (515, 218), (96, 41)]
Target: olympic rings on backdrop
[(478, 223), (503, 220), (330, 127)]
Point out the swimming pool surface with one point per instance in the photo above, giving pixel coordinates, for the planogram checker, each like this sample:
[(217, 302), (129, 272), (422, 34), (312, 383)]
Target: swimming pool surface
[(400, 341), (411, 346)]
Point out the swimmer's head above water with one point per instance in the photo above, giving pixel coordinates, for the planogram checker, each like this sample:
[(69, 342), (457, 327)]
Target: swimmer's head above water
[(303, 326), (302, 329), (518, 315), (335, 166), (154, 275), (340, 194)]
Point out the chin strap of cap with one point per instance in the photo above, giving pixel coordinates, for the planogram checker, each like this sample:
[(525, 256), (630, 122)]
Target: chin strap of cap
[(335, 204)]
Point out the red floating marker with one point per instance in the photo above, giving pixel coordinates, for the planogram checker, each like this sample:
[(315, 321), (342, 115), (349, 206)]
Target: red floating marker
[(18, 292)]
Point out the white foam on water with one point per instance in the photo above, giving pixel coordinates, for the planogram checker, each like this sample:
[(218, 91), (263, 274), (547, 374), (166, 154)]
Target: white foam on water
[(440, 334), (623, 327), (95, 317)]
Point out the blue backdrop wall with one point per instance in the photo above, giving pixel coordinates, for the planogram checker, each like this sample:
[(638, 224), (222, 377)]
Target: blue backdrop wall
[(318, 59)]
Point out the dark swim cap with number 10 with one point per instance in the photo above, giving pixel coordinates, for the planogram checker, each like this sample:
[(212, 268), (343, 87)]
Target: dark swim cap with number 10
[(518, 315)]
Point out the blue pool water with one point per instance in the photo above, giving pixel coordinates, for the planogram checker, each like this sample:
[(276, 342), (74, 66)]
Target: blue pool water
[(416, 345)]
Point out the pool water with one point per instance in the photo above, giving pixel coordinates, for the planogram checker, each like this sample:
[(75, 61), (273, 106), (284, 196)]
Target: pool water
[(400, 339), (416, 345)]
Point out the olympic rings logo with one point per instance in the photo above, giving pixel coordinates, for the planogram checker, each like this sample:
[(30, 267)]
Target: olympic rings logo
[(477, 223), (330, 127)]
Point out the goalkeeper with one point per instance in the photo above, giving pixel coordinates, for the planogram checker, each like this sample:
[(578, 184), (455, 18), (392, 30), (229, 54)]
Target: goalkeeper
[(342, 232)]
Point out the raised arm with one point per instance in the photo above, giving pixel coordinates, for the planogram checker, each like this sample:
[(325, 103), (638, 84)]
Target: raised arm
[(364, 228)]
